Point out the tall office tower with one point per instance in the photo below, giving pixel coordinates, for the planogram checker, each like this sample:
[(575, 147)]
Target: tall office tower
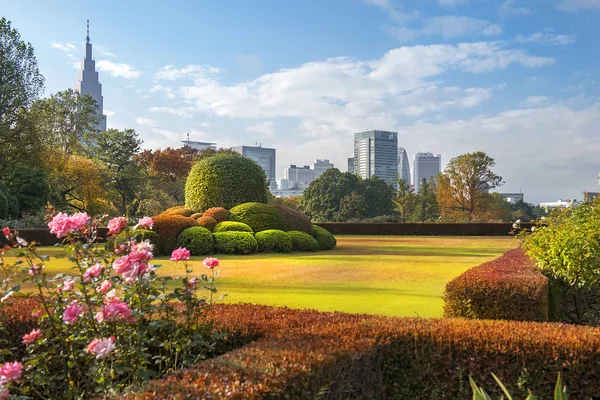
[(376, 154), (426, 165), (264, 157), (88, 82), (403, 165), (351, 165)]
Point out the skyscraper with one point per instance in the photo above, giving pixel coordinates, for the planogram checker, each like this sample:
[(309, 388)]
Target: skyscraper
[(376, 154), (351, 165), (426, 165), (88, 82), (264, 157), (403, 165)]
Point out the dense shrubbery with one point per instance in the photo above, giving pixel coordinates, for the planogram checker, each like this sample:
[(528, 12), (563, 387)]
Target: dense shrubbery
[(302, 241), (235, 243), (235, 226), (180, 210), (258, 216), (294, 219), (196, 215), (197, 240), (510, 287), (27, 221), (11, 200), (325, 239), (218, 213), (207, 222), (225, 180), (273, 240), (141, 235), (168, 227), (3, 206)]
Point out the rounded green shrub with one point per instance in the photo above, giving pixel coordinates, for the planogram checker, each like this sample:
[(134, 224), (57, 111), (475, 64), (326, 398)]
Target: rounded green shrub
[(218, 213), (207, 222), (258, 216), (295, 220), (302, 241), (325, 239), (273, 241), (229, 226), (168, 227), (225, 180), (235, 243), (197, 240)]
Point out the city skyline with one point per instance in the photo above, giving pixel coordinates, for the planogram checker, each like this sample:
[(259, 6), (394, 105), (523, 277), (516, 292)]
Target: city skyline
[(376, 154), (514, 78)]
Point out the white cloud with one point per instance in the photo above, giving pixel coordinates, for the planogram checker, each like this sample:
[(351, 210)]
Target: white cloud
[(448, 27), (168, 91), (109, 113), (534, 101), (267, 129), (183, 112), (196, 72), (119, 70), (452, 3), (575, 5), (68, 47), (508, 9), (103, 51), (146, 122), (493, 30), (546, 38)]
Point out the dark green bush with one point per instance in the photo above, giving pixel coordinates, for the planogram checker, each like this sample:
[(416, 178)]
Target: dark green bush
[(235, 243), (207, 222), (227, 226), (30, 186), (3, 206), (295, 220), (13, 202), (273, 241), (197, 240), (218, 213), (325, 239), (225, 180), (258, 216), (302, 241)]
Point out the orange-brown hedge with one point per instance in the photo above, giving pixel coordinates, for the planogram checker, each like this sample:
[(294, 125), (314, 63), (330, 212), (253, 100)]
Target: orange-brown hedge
[(168, 227), (207, 222), (295, 220), (218, 213), (196, 215), (179, 210), (509, 287)]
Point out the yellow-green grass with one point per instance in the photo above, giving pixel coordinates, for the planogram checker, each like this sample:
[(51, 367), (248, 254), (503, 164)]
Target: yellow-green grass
[(387, 275)]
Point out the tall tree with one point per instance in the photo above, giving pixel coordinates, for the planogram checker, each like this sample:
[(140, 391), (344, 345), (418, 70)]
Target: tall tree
[(378, 197), (427, 209), (405, 200), (463, 186)]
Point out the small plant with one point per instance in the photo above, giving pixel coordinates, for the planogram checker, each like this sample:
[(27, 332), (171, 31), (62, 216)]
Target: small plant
[(560, 391)]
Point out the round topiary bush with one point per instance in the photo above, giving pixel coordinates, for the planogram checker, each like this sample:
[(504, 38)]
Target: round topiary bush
[(168, 227), (207, 222), (273, 241), (232, 226), (295, 220), (258, 216), (197, 240), (302, 241), (180, 210), (325, 239), (196, 215), (235, 243), (218, 213), (225, 180)]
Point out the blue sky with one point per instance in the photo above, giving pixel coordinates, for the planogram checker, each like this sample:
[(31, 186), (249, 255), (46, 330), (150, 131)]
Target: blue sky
[(518, 79)]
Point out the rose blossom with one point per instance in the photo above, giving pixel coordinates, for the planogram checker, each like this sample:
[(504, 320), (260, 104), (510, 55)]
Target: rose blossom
[(72, 312), (180, 254), (102, 347), (120, 248), (116, 224), (68, 285), (140, 256), (113, 310), (191, 284), (22, 242), (211, 262), (4, 393), (32, 336), (104, 286), (145, 245), (35, 269), (11, 371), (62, 223), (6, 231), (145, 222), (92, 271)]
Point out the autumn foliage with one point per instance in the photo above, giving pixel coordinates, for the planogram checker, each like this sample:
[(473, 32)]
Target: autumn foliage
[(168, 227)]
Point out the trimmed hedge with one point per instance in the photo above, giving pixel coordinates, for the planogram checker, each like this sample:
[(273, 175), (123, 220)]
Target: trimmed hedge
[(168, 227), (235, 243), (218, 213), (302, 241), (258, 216), (196, 215), (179, 210), (273, 241), (228, 226), (207, 222), (197, 240), (510, 287), (295, 220), (225, 180), (325, 239), (442, 229)]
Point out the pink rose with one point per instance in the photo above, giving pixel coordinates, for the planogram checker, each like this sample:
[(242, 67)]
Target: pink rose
[(35, 269), (120, 248), (72, 312), (104, 286), (32, 336), (116, 224), (145, 245), (36, 313), (11, 371), (210, 262), (78, 221), (6, 231), (62, 223), (68, 285), (145, 222), (101, 347), (180, 254), (115, 309), (122, 264), (140, 256), (4, 393), (92, 271)]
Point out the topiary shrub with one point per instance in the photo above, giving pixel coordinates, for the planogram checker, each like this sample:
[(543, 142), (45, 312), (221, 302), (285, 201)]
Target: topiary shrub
[(232, 226), (180, 210), (196, 215), (258, 216), (302, 241), (207, 222), (235, 243), (218, 213), (168, 227), (273, 241), (197, 240), (225, 180), (325, 239), (295, 220)]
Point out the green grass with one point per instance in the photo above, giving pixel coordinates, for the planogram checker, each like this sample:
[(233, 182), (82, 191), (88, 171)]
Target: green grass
[(387, 275)]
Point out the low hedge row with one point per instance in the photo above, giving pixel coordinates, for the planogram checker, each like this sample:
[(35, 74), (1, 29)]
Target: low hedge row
[(425, 229), (509, 287)]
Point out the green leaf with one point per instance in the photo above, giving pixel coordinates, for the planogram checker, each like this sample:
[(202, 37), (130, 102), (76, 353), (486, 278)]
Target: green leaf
[(560, 391), (508, 396), (478, 393)]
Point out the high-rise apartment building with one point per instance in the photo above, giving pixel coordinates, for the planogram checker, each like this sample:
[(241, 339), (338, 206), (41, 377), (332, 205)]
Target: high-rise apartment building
[(426, 166), (263, 156), (403, 165), (376, 154), (88, 82)]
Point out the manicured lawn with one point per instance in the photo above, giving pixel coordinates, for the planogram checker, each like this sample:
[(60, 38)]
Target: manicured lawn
[(388, 275)]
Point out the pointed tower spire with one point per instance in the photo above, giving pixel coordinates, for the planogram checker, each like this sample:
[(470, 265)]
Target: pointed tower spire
[(87, 38)]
